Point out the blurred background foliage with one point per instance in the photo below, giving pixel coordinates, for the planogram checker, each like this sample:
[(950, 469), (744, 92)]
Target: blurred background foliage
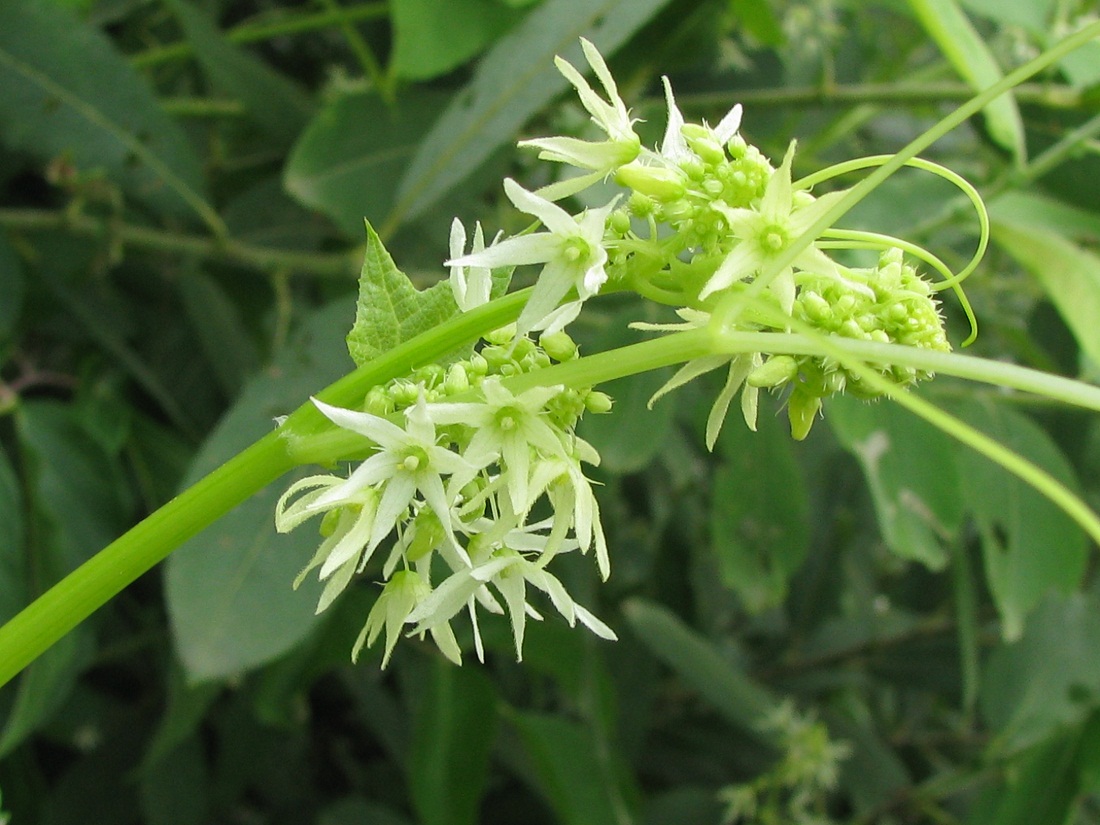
[(873, 626)]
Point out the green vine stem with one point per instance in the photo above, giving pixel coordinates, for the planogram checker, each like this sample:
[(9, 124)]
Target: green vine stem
[(251, 256), (61, 608), (256, 32)]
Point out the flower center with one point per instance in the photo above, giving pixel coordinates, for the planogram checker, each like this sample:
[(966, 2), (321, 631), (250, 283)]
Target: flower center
[(773, 237), (508, 418), (576, 249), (413, 460)]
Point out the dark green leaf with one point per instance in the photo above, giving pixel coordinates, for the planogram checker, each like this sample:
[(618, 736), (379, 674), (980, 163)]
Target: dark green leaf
[(12, 290), (578, 782), (1042, 787), (455, 719), (964, 48), (513, 81), (391, 310), (175, 789), (348, 162), (13, 561), (273, 100), (911, 472), (223, 337), (357, 811), (65, 92), (1069, 274), (759, 513), (79, 492), (758, 19), (229, 588), (1034, 211), (43, 688), (1049, 679), (699, 663), (1030, 545), (427, 43)]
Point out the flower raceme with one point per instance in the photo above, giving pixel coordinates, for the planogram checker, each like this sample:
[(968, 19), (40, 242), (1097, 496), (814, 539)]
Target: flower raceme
[(479, 486), (454, 482)]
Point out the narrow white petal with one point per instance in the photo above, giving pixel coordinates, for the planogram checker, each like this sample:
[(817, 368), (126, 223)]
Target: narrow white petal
[(743, 261), (398, 494), (595, 625), (537, 248), (776, 203), (673, 146), (727, 127), (553, 217), (739, 370), (377, 429)]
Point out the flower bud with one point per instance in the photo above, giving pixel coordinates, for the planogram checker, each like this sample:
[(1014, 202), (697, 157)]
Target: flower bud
[(598, 402), (457, 380), (694, 169), (478, 365), (776, 371), (503, 336), (559, 346), (378, 402), (427, 535), (662, 184), (640, 205), (619, 221), (802, 409)]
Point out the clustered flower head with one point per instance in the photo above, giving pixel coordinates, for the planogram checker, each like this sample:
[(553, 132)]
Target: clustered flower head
[(795, 789), (459, 465), (474, 487)]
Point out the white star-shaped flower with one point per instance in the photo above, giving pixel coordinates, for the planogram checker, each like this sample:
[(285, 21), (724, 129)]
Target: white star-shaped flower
[(572, 251), (611, 116), (408, 461), (471, 285), (673, 147), (508, 426), (763, 233)]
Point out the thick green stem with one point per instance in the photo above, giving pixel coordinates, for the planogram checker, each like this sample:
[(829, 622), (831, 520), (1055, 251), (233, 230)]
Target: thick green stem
[(997, 373), (78, 595)]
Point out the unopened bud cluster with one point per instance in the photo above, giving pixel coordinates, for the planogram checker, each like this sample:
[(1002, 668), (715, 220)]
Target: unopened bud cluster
[(888, 304)]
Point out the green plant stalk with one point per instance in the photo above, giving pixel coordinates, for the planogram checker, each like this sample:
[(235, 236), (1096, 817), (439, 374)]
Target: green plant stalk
[(255, 32), (61, 608)]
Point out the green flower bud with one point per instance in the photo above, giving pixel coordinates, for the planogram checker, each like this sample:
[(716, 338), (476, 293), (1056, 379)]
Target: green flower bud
[(815, 307), (776, 371), (598, 402), (503, 336), (661, 184), (378, 402), (619, 221), (457, 380), (707, 148), (694, 169), (802, 409), (640, 205), (559, 346), (329, 522), (478, 365), (427, 535), (496, 357), (404, 394)]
